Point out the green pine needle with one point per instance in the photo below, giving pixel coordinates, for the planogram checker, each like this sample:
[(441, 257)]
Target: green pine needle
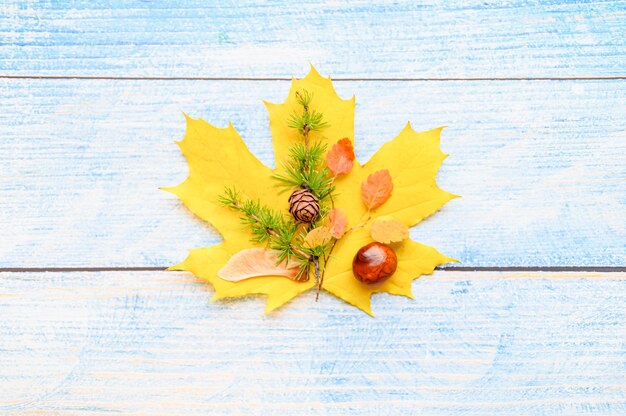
[(304, 98), (306, 169), (307, 121)]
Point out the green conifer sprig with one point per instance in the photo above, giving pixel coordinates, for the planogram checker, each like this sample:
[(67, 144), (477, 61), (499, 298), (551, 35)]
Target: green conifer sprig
[(304, 98), (307, 121), (305, 169), (266, 225)]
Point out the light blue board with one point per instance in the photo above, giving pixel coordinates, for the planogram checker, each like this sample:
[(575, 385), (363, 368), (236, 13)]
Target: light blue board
[(540, 166), (365, 39), (150, 344)]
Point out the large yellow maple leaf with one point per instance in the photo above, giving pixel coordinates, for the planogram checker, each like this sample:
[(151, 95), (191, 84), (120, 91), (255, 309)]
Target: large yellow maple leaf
[(218, 157)]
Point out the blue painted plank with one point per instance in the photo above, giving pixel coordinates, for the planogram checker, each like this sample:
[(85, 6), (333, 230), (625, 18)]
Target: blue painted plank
[(540, 166), (150, 343), (197, 38)]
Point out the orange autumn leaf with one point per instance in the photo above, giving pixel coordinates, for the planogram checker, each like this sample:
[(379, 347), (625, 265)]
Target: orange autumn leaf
[(337, 222), (340, 158), (255, 262), (376, 189), (387, 230)]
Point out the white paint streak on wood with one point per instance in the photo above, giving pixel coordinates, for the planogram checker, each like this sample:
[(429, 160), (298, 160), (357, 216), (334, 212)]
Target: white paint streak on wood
[(150, 343), (540, 166), (196, 38)]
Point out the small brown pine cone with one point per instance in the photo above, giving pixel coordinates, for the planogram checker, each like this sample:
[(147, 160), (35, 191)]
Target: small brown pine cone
[(304, 205)]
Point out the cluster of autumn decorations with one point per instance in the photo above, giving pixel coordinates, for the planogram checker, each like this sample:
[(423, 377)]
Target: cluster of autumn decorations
[(319, 219), (297, 240)]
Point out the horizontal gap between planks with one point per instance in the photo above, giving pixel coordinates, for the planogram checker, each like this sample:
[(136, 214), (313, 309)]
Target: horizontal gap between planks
[(582, 269), (80, 77)]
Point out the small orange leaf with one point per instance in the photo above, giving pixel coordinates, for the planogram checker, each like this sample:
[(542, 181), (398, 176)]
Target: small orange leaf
[(317, 237), (337, 222), (388, 230), (255, 262), (340, 158), (376, 189)]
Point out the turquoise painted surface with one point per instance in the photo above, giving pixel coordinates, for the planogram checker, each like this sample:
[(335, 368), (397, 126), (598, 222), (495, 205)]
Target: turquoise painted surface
[(540, 164)]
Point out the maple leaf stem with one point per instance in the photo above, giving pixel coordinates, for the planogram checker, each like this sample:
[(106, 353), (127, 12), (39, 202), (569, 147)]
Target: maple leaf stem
[(316, 264), (321, 278)]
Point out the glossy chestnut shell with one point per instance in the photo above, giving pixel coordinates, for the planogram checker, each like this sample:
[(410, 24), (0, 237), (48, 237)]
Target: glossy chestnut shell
[(374, 263)]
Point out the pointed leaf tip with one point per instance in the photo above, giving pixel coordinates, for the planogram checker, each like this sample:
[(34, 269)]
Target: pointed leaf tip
[(169, 189), (313, 70)]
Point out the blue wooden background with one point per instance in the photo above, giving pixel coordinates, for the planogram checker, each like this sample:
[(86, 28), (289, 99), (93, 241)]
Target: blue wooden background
[(91, 99)]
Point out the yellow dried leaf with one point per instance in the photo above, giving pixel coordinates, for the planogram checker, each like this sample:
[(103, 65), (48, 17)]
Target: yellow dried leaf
[(317, 237), (387, 230), (218, 157)]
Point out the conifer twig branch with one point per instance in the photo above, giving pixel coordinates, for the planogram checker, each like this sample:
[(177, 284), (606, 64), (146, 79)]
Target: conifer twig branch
[(270, 226), (305, 170)]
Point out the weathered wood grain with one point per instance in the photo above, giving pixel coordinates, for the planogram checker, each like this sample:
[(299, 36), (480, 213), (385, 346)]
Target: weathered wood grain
[(400, 39), (150, 343), (540, 166)]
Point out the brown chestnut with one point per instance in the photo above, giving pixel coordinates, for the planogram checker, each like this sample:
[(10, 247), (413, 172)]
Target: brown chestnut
[(374, 263)]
